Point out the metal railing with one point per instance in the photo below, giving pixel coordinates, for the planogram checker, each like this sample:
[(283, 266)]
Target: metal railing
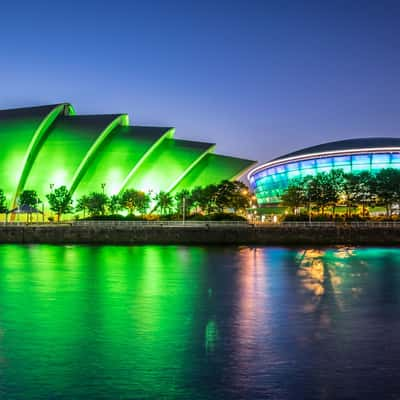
[(131, 223), (324, 224), (181, 224), (34, 224)]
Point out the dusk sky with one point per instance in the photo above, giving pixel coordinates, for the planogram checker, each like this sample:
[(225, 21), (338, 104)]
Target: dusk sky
[(259, 78)]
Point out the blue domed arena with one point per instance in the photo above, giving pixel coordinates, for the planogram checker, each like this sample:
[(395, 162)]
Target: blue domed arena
[(270, 180)]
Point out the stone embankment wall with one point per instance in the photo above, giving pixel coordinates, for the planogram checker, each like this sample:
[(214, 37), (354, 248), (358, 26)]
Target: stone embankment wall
[(237, 235)]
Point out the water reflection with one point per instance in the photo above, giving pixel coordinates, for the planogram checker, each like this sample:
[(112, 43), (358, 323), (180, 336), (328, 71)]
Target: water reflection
[(312, 271), (252, 295), (201, 323)]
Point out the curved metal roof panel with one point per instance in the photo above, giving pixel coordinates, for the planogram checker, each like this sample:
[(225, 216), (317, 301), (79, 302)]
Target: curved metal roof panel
[(26, 112)]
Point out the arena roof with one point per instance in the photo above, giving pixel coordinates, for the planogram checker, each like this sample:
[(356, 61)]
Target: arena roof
[(348, 144)]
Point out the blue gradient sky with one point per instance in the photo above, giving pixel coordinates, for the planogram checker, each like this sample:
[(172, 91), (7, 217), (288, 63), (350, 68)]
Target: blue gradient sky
[(259, 78)]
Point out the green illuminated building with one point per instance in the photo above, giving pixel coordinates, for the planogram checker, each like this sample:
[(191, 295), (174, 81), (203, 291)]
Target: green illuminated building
[(50, 145)]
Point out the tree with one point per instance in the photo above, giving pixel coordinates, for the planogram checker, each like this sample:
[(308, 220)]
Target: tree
[(82, 205), (241, 197), (336, 179), (208, 201), (358, 189), (223, 195), (197, 196), (324, 189), (350, 191), (60, 201), (30, 200), (114, 204), (387, 187), (295, 195), (367, 189), (183, 201), (96, 203), (233, 195), (3, 205), (143, 202), (135, 200), (164, 201)]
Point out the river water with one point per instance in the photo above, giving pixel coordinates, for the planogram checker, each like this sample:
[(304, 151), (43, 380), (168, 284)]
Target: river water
[(174, 322)]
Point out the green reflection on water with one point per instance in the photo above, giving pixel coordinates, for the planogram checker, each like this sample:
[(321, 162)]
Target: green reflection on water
[(70, 307)]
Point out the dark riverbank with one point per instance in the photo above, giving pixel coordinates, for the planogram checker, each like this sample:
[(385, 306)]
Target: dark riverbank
[(205, 234)]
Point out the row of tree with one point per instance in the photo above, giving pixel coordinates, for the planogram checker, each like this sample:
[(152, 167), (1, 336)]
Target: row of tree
[(232, 196), (352, 190), (227, 195)]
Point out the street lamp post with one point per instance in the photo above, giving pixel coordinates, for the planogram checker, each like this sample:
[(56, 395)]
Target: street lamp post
[(254, 215), (103, 185), (7, 212), (51, 190), (183, 209), (36, 208)]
